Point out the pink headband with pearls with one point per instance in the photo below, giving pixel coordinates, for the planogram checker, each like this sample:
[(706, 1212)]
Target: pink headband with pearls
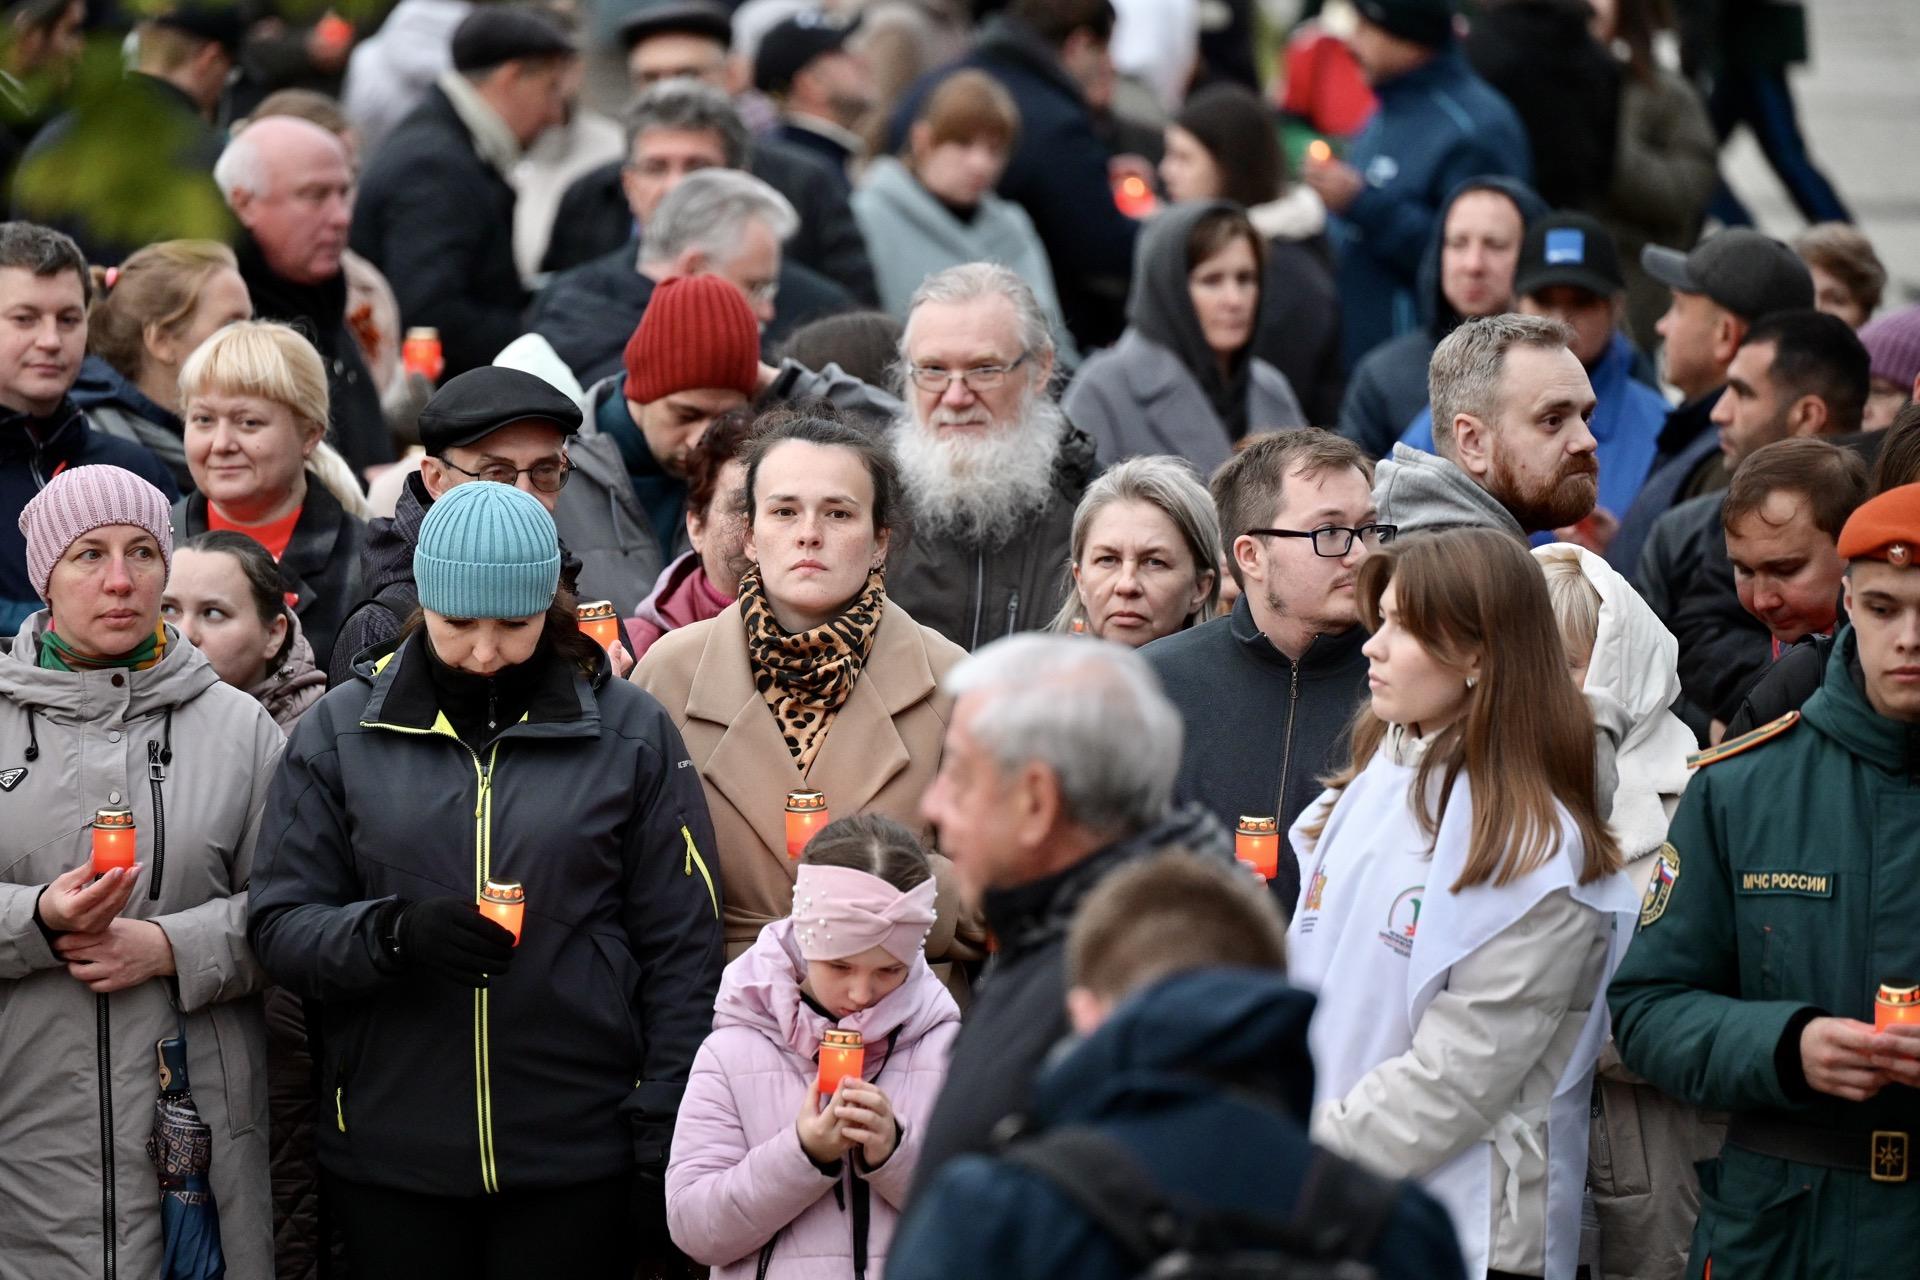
[(839, 912)]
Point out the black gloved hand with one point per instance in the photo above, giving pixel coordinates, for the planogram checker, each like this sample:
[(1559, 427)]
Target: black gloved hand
[(658, 1256), (448, 937)]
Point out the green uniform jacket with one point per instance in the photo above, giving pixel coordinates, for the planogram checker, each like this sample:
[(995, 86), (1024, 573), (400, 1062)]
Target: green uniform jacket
[(1795, 888)]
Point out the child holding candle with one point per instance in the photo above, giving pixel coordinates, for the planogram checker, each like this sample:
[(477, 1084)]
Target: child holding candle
[(816, 1196)]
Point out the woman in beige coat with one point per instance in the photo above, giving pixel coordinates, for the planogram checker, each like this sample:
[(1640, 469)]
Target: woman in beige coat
[(812, 679)]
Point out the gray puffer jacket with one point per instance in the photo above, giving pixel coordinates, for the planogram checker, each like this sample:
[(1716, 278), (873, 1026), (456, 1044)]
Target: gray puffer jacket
[(192, 757)]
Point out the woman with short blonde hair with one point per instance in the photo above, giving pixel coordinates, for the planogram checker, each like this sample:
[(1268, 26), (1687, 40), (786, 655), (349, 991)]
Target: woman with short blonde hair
[(1145, 537), (256, 421)]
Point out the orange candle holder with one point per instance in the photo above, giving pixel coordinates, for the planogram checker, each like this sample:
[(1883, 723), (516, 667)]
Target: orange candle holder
[(115, 843), (1896, 1005), (420, 353), (1318, 151), (598, 620), (1134, 198), (806, 814), (505, 903), (1256, 842), (842, 1054)]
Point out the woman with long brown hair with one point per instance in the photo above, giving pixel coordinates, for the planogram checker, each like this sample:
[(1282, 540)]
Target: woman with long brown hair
[(1463, 904)]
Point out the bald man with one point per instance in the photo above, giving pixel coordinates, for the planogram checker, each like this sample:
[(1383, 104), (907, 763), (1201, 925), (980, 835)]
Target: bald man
[(290, 184)]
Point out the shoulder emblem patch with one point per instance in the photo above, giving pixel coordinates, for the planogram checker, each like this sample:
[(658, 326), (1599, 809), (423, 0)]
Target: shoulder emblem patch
[(1745, 742), (10, 778), (1666, 874)]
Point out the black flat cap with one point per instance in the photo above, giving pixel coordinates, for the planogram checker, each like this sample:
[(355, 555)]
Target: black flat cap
[(1749, 274), (496, 34), (678, 17), (792, 43), (220, 23), (480, 401)]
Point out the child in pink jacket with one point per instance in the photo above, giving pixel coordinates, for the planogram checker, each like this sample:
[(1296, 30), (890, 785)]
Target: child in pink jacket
[(768, 1180)]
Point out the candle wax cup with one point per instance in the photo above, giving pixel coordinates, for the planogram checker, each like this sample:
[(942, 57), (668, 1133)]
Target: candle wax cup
[(508, 915), (1262, 853), (837, 1063), (605, 631), (113, 847), (802, 827), (1892, 1015)]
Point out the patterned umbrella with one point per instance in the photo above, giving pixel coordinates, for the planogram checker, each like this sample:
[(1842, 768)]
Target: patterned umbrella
[(181, 1148)]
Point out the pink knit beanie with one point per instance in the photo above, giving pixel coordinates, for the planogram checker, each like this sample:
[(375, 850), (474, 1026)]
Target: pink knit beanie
[(81, 499), (697, 333), (1892, 341)]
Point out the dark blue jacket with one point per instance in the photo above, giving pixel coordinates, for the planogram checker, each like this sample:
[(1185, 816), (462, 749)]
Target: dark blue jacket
[(34, 451), (1687, 441), (1057, 173), (1151, 1078), (1436, 126)]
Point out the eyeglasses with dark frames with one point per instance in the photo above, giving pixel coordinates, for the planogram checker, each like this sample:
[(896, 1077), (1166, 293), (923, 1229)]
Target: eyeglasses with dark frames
[(547, 477), (1334, 541)]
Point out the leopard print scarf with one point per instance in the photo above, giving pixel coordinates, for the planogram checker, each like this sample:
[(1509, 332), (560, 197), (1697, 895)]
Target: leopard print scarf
[(805, 678)]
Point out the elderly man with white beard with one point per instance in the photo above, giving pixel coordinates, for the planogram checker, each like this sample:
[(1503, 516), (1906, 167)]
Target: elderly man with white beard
[(991, 467)]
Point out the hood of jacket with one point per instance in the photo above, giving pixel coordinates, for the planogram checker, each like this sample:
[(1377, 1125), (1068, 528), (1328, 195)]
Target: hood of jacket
[(1632, 680), (1300, 214), (889, 189), (101, 386), (388, 556), (1160, 309), (683, 596), (761, 989), (177, 679), (1422, 492), (1840, 710), (1036, 913), (412, 44), (296, 684), (1243, 1025), (1435, 311)]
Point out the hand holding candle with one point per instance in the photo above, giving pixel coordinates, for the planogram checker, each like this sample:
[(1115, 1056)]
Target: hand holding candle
[(806, 816), (505, 903), (114, 840), (78, 901), (1257, 843), (866, 1120), (842, 1054)]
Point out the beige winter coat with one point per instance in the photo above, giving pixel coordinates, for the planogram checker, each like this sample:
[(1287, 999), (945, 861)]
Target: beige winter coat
[(76, 1068)]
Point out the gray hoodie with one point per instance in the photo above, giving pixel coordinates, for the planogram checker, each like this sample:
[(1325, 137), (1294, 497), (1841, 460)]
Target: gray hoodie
[(1424, 493), (77, 1070)]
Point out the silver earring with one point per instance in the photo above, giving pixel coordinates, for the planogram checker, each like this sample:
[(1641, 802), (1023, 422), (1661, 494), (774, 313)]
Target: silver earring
[(1472, 681)]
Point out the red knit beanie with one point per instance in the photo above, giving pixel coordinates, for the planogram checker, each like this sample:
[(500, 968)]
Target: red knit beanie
[(697, 334)]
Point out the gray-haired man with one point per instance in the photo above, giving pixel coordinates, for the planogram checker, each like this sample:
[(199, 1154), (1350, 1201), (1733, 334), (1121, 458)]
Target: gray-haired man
[(1511, 407), (1058, 767)]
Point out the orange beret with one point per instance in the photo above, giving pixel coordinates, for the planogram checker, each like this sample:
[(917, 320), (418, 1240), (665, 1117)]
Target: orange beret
[(1885, 528)]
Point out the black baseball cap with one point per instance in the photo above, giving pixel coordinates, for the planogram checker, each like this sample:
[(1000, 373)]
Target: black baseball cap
[(1569, 249), (494, 35), (219, 23), (678, 17), (1427, 22), (480, 401), (1749, 274), (792, 43)]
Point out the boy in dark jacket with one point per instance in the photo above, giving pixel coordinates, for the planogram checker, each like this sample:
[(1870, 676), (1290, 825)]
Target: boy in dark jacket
[(1194, 1059)]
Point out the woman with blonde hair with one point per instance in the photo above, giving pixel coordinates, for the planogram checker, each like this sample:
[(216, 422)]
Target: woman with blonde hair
[(256, 421), (1463, 905), (1144, 540), (148, 315)]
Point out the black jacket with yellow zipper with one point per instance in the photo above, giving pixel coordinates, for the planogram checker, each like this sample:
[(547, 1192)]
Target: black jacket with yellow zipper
[(569, 1067)]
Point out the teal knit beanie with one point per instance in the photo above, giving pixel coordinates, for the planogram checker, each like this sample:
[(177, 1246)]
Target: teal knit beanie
[(487, 551)]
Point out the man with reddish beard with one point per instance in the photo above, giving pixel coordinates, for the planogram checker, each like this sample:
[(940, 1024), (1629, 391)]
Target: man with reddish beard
[(1511, 413), (290, 185), (990, 466)]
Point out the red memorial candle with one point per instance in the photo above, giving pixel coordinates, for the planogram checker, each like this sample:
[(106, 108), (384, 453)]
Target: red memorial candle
[(420, 353), (597, 620), (806, 814), (842, 1054), (113, 840), (1896, 1005), (505, 903), (1257, 843)]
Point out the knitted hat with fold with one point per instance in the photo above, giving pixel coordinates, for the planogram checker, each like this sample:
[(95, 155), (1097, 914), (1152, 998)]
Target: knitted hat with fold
[(697, 334), (487, 550), (1893, 345), (82, 499)]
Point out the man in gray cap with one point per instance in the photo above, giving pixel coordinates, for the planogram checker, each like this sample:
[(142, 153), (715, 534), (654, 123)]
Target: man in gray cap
[(435, 210), (1729, 281), (490, 424)]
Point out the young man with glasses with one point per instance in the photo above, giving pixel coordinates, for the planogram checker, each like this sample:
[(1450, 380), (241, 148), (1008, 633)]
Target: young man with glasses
[(1267, 691), (488, 425)]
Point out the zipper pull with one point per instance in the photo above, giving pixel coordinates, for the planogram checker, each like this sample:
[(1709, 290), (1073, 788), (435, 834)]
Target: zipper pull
[(154, 769)]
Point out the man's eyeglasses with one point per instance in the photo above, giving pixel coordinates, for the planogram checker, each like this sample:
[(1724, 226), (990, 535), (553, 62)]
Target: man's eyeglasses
[(934, 379), (548, 477), (1334, 541)]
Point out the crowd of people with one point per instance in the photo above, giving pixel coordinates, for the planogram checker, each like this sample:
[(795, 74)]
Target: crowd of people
[(815, 639)]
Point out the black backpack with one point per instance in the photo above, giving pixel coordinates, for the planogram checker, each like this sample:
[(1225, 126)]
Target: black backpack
[(1329, 1235)]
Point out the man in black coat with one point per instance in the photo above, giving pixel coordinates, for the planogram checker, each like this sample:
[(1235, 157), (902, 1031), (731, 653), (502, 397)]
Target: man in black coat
[(1267, 692), (1058, 767), (290, 184), (687, 40), (435, 211), (1051, 55)]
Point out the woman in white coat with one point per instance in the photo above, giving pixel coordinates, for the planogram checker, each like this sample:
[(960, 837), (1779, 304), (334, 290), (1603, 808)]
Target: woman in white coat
[(1645, 1143), (1463, 905)]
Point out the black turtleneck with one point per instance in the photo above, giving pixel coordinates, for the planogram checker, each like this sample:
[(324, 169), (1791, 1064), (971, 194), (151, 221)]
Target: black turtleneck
[(479, 707)]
